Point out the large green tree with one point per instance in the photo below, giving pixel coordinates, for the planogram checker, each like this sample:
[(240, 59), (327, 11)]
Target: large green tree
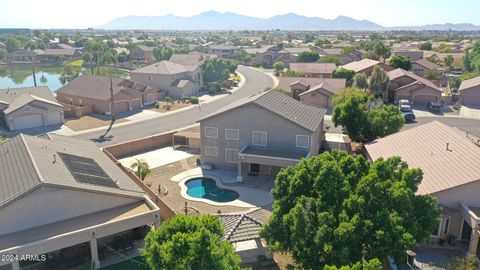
[(308, 57), (343, 73), (215, 70), (336, 209), (402, 62), (360, 81), (190, 242), (374, 264), (378, 82), (364, 118)]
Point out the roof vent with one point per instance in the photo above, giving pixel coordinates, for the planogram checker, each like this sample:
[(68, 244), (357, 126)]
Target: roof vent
[(448, 149)]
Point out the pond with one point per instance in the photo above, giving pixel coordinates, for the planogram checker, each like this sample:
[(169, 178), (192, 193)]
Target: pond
[(206, 188), (21, 76)]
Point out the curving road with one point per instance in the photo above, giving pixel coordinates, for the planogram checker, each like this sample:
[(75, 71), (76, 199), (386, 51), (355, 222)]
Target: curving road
[(255, 81)]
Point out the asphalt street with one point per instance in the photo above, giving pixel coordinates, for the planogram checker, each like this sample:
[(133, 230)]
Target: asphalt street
[(256, 81)]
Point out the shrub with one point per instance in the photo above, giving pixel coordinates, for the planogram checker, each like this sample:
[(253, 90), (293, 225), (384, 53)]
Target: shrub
[(194, 100), (156, 105)]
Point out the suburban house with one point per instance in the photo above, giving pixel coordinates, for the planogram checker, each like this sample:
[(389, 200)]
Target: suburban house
[(94, 91), (67, 201), (22, 56), (413, 55), (261, 134), (319, 70), (142, 53), (416, 89), (470, 92), (450, 161), (421, 66), (267, 56), (352, 57), (366, 66), (30, 107), (180, 76), (313, 91), (328, 51), (57, 55), (223, 50)]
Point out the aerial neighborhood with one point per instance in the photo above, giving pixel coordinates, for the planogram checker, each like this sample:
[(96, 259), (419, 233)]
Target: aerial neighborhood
[(171, 142)]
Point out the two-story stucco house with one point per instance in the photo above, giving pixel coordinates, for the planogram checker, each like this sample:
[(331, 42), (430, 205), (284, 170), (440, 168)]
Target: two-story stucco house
[(261, 134), (180, 76)]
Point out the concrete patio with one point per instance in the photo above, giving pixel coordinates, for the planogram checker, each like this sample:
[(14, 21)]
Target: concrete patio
[(157, 158), (168, 177)]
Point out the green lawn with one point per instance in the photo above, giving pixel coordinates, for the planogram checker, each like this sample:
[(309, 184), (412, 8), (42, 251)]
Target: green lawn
[(128, 265)]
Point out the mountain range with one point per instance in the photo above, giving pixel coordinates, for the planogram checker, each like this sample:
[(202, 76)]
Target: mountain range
[(213, 20)]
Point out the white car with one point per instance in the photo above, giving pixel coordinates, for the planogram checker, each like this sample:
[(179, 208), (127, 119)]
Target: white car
[(404, 105)]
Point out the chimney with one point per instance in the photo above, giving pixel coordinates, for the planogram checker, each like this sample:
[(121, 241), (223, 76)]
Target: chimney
[(54, 158)]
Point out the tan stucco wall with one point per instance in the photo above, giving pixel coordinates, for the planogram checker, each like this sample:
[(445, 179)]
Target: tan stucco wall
[(318, 98), (281, 133), (49, 204), (470, 96), (37, 107), (164, 82)]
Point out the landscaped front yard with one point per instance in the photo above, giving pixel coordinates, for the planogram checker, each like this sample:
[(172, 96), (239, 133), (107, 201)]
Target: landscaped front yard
[(89, 122), (170, 106)]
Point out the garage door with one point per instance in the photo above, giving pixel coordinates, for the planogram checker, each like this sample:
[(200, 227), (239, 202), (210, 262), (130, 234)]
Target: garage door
[(53, 118), (28, 121), (470, 100), (151, 98), (424, 99), (122, 106), (136, 103)]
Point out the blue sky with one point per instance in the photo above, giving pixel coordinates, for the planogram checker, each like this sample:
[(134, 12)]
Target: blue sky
[(91, 13)]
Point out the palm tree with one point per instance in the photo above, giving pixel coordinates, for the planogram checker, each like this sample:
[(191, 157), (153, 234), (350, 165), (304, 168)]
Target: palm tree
[(30, 46), (378, 83), (130, 46), (109, 58), (142, 168)]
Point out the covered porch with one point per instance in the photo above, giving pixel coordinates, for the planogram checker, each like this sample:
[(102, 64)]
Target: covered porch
[(470, 229), (254, 161)]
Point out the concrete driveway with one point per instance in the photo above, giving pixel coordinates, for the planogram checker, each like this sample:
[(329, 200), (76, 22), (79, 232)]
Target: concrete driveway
[(470, 112)]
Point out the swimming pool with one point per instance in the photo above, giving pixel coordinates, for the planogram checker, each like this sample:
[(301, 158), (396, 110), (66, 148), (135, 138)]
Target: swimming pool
[(206, 188)]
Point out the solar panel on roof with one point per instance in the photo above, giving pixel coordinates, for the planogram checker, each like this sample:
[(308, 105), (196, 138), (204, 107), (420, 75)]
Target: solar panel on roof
[(86, 170)]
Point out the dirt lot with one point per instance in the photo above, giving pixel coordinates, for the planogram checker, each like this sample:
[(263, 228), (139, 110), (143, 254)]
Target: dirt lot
[(168, 107), (89, 122)]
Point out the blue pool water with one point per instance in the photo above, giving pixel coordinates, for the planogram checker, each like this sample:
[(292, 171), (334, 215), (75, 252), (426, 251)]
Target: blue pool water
[(206, 188)]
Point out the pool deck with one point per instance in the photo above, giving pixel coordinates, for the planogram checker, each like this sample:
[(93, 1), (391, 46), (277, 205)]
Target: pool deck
[(169, 176), (249, 197)]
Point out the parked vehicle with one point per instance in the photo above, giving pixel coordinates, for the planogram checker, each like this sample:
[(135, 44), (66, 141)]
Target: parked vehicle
[(408, 116), (434, 107), (404, 105)]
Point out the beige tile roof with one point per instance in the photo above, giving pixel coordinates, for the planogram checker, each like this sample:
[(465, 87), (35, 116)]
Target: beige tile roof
[(397, 73), (306, 68), (27, 162), (306, 116), (425, 147), (98, 87), (162, 67), (469, 83), (26, 99), (66, 52), (427, 64), (358, 66), (324, 86), (9, 95), (286, 82)]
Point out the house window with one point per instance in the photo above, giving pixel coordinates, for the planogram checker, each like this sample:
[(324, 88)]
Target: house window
[(259, 138), (27, 109), (436, 231), (232, 134), (211, 151), (302, 141), (80, 101), (231, 155), (211, 132), (150, 77), (446, 225)]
